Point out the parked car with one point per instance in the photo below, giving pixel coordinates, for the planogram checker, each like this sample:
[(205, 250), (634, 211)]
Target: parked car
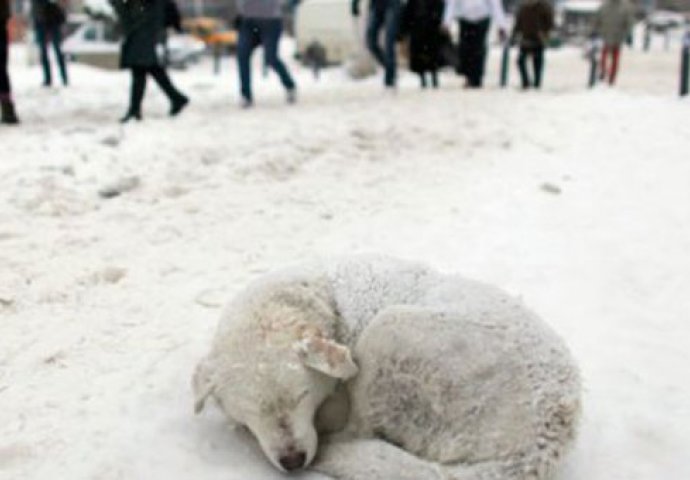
[(97, 43), (214, 32)]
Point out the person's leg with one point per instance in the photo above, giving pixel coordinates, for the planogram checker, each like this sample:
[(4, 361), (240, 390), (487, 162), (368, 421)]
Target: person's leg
[(271, 31), (42, 42), (392, 22), (538, 60), (615, 60), (245, 46), (5, 87), (522, 67), (434, 78), (177, 99), (138, 88), (7, 114), (604, 62), (422, 78), (480, 51), (464, 45), (376, 19), (56, 38)]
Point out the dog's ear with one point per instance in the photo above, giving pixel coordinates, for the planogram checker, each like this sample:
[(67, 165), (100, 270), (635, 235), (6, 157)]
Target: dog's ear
[(203, 384), (327, 356)]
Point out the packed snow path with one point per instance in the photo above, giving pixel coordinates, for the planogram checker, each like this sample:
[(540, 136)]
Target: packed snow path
[(578, 201)]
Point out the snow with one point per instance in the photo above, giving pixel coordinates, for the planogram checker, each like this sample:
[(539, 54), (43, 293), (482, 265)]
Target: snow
[(576, 200)]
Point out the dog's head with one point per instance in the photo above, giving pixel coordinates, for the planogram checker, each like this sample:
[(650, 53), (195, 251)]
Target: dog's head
[(275, 389)]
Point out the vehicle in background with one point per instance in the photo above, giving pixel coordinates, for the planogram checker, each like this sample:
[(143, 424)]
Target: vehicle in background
[(97, 43), (214, 32), (576, 19)]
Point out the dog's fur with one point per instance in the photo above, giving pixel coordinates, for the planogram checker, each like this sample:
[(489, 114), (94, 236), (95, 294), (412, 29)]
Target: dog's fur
[(403, 372)]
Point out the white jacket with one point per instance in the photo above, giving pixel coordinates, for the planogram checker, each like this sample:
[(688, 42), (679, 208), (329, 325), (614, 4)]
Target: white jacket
[(474, 11)]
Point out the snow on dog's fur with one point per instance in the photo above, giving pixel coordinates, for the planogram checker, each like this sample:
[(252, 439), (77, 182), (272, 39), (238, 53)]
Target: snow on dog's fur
[(374, 368)]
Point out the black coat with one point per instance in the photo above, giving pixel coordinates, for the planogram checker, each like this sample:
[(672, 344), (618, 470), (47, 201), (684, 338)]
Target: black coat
[(422, 23), (143, 27), (4, 11)]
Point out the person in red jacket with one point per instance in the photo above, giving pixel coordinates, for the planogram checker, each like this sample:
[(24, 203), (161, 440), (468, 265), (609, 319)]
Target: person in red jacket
[(8, 114)]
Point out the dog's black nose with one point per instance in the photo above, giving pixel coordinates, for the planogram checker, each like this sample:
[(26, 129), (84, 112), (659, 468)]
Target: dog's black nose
[(293, 461)]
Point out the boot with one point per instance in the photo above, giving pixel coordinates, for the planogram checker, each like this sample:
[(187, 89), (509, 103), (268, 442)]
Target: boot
[(131, 116), (178, 104), (9, 116)]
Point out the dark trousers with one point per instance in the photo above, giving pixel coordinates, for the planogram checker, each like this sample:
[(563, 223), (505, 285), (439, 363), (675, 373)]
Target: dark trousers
[(138, 89), (44, 35), (472, 50), (5, 87), (434, 78), (537, 55), (268, 31), (387, 18)]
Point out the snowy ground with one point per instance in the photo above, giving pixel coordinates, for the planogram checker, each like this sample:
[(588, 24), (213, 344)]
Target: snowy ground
[(576, 200)]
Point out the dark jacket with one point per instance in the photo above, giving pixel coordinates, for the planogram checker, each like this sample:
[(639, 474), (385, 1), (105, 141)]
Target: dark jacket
[(5, 12), (533, 23), (143, 27), (421, 21)]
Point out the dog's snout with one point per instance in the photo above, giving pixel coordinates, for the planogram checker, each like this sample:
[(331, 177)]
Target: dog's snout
[(293, 460)]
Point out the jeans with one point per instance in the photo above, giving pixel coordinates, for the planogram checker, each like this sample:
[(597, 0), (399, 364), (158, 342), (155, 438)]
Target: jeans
[(472, 50), (139, 87), (45, 34), (268, 31), (387, 17), (537, 54), (5, 87)]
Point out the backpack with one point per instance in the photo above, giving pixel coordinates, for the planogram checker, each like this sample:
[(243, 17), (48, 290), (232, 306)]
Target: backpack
[(53, 14)]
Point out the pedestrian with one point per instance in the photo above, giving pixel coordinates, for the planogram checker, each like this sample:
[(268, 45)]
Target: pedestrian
[(383, 14), (474, 18), (422, 22), (613, 23), (49, 17), (9, 116), (143, 24), (533, 23), (261, 21)]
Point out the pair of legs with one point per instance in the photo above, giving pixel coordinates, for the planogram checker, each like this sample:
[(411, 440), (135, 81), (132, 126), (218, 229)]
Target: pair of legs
[(268, 32), (51, 34), (537, 55), (387, 18), (472, 50), (613, 51), (433, 74), (8, 115), (159, 74)]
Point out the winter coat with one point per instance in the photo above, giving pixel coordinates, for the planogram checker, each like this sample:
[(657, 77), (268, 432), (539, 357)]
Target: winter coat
[(143, 26), (614, 21), (260, 8), (534, 21), (5, 12), (421, 21)]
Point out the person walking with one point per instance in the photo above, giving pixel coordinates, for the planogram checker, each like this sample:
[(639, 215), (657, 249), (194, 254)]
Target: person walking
[(383, 14), (143, 24), (48, 17), (261, 21), (422, 22), (533, 23), (9, 116), (613, 23), (474, 18)]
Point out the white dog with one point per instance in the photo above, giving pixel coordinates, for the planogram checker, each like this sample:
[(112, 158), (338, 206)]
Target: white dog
[(379, 369)]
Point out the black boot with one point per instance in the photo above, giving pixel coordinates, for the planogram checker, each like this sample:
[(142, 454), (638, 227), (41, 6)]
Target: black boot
[(131, 116), (9, 116), (178, 104)]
